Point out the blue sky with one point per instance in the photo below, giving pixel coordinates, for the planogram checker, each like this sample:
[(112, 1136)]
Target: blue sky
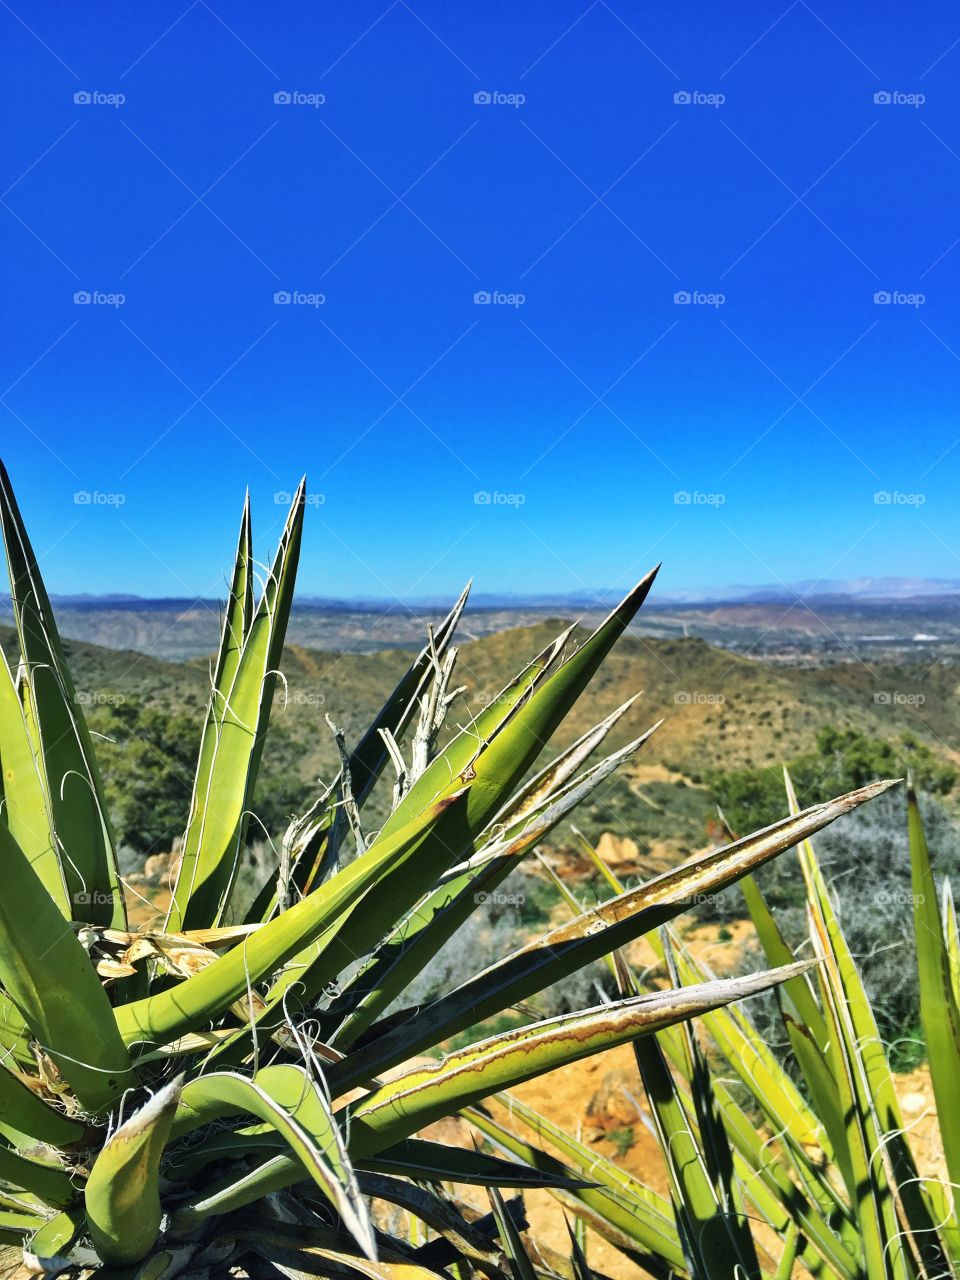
[(583, 164)]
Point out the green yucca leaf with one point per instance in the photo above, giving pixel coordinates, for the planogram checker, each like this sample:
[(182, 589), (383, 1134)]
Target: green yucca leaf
[(60, 738), (122, 1195), (713, 1140), (501, 765), (710, 1237), (778, 1097), (619, 1207), (168, 1014), (48, 1244), (493, 756), (420, 935), (24, 1113), (285, 1098), (939, 1011), (184, 1165), (418, 1097), (306, 839), (594, 934), (598, 862), (560, 770), (822, 1087), (768, 1182), (433, 1211), (14, 1034), (401, 1107), (463, 748), (799, 995), (502, 746), (413, 1158), (789, 1255), (715, 1236), (47, 973), (241, 602), (578, 1250), (495, 768), (772, 1189), (520, 1265), (368, 758), (25, 807), (878, 1096), (235, 1190), (15, 1226), (232, 744), (434, 1162), (884, 1252), (47, 1181)]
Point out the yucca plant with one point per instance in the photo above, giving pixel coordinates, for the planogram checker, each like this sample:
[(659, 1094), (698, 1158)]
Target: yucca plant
[(238, 1085), (765, 1177)]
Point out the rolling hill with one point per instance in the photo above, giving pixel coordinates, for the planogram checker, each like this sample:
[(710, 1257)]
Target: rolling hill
[(721, 711)]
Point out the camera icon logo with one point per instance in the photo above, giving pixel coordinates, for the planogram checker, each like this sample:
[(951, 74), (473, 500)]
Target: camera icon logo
[(282, 298), (82, 298), (82, 98), (482, 298), (882, 298), (682, 298), (482, 98), (682, 98), (282, 98), (883, 98)]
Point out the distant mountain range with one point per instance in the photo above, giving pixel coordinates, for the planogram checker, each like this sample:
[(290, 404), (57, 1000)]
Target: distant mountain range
[(811, 590)]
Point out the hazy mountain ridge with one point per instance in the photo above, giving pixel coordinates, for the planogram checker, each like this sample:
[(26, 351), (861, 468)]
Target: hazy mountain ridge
[(867, 589), (889, 619)]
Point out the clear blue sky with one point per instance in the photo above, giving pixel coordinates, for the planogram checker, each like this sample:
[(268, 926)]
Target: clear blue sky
[(585, 187)]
